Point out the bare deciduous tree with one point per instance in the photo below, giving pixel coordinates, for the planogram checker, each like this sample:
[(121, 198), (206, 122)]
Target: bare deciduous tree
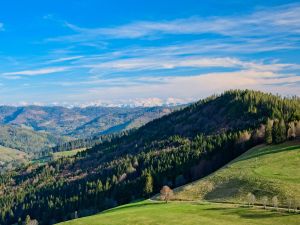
[(298, 129), (275, 202), (251, 199), (296, 204), (289, 203), (265, 201), (166, 193), (292, 130)]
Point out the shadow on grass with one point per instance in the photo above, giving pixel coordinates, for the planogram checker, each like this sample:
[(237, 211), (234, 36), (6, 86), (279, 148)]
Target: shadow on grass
[(139, 205), (248, 213), (261, 215), (227, 189), (217, 209)]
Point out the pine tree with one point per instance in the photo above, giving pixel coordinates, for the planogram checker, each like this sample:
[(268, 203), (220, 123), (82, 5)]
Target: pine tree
[(276, 132), (282, 130), (279, 131)]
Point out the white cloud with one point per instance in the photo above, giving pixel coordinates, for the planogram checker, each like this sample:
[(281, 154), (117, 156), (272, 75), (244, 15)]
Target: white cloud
[(64, 59), (36, 72), (189, 87), (172, 62), (283, 20)]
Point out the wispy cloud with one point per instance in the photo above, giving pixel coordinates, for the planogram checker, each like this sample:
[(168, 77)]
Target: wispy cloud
[(168, 63), (192, 87), (64, 59), (35, 72), (281, 20), (185, 58)]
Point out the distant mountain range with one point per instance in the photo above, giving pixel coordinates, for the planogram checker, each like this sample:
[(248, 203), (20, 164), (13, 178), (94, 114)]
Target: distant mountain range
[(34, 128), (78, 122)]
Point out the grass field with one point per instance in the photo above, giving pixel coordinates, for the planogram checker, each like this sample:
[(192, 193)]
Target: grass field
[(10, 154), (263, 170), (153, 213), (57, 155), (10, 158)]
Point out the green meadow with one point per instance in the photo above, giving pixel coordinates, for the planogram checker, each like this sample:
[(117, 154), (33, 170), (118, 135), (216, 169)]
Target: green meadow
[(265, 170), (187, 213)]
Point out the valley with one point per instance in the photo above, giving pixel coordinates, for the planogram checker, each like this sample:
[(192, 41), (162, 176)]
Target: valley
[(39, 131)]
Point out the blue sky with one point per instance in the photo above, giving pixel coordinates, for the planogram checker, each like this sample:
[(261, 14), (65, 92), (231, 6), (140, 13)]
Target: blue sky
[(85, 52)]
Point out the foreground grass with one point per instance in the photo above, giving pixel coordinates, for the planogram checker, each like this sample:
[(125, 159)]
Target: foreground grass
[(187, 213), (271, 170)]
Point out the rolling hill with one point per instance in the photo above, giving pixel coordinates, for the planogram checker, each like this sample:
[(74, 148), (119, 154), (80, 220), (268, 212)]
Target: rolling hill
[(265, 170), (27, 140), (173, 150), (40, 130)]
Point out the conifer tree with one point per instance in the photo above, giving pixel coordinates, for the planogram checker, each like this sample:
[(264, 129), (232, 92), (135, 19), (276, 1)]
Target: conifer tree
[(282, 130), (276, 132)]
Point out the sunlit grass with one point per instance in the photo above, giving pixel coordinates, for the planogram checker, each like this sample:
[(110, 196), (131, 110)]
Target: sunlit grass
[(154, 213), (264, 170)]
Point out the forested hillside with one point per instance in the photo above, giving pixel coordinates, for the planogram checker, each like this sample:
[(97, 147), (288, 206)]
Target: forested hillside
[(40, 130), (27, 140), (10, 158), (173, 150)]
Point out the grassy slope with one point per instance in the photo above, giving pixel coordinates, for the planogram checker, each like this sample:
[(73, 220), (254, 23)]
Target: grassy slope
[(10, 154), (150, 213), (263, 170), (73, 152)]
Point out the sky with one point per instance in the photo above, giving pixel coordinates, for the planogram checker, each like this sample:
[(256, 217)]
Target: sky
[(145, 53)]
